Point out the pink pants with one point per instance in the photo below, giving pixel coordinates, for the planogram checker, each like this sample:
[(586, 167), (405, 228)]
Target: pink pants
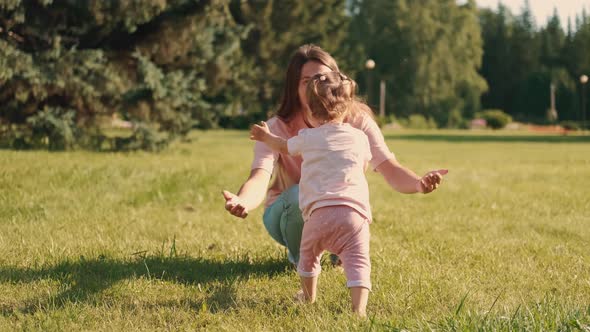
[(344, 232)]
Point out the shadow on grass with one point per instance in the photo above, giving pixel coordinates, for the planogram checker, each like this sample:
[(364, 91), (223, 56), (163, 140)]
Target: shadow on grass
[(84, 278), (470, 138)]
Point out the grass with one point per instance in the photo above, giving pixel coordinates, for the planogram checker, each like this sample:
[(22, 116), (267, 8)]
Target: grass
[(140, 241)]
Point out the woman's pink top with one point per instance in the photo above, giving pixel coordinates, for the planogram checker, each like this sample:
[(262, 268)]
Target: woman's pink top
[(286, 169)]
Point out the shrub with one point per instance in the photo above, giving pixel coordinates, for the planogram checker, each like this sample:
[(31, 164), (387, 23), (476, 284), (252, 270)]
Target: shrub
[(495, 119), (53, 128), (241, 121), (385, 120), (143, 137), (570, 125), (418, 121)]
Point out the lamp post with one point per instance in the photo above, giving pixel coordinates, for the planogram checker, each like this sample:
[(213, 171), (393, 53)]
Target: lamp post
[(369, 65), (552, 113), (583, 81)]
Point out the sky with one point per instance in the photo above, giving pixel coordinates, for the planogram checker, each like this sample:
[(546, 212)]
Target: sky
[(542, 9)]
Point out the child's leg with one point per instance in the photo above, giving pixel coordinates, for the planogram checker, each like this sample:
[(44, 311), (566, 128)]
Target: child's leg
[(309, 286), (311, 249), (351, 242), (360, 296)]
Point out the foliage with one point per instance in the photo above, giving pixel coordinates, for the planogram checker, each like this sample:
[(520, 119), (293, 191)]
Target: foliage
[(173, 65), (161, 63), (495, 119), (570, 125), (521, 61), (429, 55), (170, 65), (417, 121), (278, 28)]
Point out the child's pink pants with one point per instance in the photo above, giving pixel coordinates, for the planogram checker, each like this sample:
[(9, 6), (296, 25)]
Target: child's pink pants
[(343, 231)]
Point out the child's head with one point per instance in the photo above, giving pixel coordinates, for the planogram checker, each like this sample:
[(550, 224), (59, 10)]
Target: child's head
[(330, 96)]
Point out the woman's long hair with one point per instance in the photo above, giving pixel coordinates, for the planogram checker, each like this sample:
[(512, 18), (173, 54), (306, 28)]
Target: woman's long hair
[(290, 101)]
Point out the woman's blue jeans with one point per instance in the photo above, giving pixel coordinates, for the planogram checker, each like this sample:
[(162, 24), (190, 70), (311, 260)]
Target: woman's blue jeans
[(284, 222)]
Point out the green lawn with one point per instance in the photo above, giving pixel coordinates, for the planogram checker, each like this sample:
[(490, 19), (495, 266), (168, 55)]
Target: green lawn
[(140, 241)]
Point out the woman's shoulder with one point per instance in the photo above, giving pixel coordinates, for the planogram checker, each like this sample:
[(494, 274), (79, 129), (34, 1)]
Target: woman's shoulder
[(361, 117), (276, 124), (285, 128)]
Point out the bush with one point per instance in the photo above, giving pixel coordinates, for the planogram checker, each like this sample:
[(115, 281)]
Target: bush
[(55, 128), (52, 128), (385, 120), (242, 121), (495, 119), (143, 137), (570, 125), (418, 121)]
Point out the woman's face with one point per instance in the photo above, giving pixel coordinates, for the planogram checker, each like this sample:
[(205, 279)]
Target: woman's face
[(308, 71)]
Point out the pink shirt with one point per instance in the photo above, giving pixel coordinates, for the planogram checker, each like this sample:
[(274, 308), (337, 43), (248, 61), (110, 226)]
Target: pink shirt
[(286, 169), (335, 157)]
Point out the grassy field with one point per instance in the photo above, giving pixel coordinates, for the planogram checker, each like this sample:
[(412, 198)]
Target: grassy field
[(140, 241)]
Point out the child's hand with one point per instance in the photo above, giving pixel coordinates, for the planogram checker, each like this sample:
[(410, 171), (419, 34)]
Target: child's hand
[(431, 181), (259, 132)]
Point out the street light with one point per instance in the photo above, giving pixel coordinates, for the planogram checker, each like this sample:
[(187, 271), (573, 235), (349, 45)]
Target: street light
[(583, 80), (369, 65)]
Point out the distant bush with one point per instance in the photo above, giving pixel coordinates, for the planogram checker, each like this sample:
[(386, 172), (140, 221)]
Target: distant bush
[(143, 138), (52, 128), (242, 121), (418, 121), (570, 125), (495, 119), (385, 120)]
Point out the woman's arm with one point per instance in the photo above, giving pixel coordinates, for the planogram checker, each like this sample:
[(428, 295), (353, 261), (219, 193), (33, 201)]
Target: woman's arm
[(406, 181), (250, 195), (397, 176)]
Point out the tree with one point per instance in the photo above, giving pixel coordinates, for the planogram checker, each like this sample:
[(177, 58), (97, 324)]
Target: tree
[(277, 29), (163, 65), (428, 51), (521, 62)]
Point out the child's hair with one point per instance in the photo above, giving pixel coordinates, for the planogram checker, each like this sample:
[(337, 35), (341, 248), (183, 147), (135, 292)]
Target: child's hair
[(330, 95)]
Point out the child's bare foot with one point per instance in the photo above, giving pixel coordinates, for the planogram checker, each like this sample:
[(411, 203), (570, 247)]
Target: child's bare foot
[(299, 297), (360, 314)]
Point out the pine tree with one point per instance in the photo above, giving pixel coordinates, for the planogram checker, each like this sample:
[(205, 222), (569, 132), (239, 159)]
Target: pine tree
[(74, 64)]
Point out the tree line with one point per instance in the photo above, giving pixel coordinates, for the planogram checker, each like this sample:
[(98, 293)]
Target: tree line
[(69, 68)]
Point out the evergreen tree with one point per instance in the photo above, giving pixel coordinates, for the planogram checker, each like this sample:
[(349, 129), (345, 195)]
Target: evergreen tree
[(161, 64)]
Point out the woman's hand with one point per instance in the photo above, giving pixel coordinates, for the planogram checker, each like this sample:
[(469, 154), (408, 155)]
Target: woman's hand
[(259, 132), (430, 181), (234, 205)]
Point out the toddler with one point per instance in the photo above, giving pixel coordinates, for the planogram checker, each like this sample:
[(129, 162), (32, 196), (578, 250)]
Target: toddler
[(333, 191)]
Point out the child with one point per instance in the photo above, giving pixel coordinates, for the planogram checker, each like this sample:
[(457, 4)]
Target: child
[(333, 191)]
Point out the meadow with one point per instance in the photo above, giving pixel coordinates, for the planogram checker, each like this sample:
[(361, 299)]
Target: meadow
[(140, 241)]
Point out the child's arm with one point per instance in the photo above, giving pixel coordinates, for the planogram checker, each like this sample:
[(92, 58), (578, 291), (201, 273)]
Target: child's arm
[(262, 134), (406, 181)]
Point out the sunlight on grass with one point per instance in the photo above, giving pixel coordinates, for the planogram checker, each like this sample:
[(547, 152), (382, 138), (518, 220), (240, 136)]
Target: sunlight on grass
[(140, 241)]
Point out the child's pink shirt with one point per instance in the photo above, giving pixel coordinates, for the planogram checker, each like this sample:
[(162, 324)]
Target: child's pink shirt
[(286, 169), (335, 157)]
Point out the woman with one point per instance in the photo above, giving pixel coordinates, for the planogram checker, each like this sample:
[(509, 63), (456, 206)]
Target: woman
[(282, 217)]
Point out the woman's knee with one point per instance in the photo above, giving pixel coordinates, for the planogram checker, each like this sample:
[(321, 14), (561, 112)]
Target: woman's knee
[(291, 198), (272, 222)]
